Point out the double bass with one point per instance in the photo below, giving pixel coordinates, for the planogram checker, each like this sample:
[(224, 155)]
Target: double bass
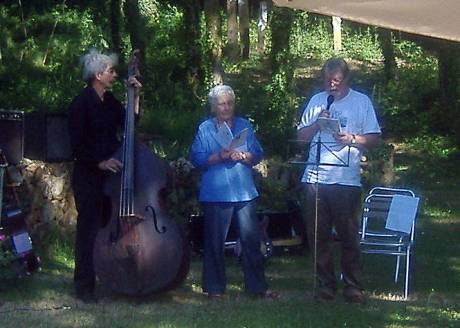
[(140, 250)]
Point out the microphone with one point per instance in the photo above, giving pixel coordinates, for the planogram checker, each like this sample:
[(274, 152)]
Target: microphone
[(330, 100)]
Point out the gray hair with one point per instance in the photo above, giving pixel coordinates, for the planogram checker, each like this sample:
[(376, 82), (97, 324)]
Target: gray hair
[(335, 65), (95, 62), (218, 91)]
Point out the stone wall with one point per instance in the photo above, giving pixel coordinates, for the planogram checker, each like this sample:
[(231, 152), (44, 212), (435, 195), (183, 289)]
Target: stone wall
[(47, 198)]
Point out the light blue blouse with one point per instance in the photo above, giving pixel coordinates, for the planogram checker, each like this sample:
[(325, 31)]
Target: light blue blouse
[(226, 181)]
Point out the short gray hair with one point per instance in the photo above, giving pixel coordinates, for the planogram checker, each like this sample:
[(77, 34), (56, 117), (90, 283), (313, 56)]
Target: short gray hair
[(335, 65), (218, 91), (95, 62)]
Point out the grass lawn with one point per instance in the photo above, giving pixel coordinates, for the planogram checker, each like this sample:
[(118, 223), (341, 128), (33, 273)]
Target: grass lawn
[(46, 299)]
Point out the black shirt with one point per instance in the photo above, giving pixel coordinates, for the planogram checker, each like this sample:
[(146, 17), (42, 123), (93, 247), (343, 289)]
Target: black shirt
[(93, 126)]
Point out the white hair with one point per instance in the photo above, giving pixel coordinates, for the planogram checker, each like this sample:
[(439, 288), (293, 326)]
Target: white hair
[(218, 91), (95, 62)]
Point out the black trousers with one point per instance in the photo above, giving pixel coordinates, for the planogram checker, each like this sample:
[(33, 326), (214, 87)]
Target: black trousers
[(338, 207), (90, 203)]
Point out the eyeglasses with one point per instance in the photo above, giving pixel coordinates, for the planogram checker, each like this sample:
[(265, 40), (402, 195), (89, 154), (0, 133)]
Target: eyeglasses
[(335, 81)]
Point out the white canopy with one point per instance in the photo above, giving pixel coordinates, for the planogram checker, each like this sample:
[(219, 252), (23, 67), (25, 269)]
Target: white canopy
[(434, 18)]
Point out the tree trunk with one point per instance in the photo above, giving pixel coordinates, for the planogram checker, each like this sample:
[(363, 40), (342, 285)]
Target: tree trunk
[(448, 69), (192, 44), (389, 62), (262, 26), (232, 30), (337, 32), (24, 29), (243, 13), (214, 37), (115, 18), (50, 40), (134, 27), (280, 22)]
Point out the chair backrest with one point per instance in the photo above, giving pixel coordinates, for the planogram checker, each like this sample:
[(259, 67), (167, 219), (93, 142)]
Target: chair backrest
[(376, 208)]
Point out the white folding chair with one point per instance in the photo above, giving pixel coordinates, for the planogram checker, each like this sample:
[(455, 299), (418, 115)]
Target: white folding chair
[(388, 226)]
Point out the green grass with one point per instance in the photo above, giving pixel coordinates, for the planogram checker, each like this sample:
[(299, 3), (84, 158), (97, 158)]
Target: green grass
[(39, 301)]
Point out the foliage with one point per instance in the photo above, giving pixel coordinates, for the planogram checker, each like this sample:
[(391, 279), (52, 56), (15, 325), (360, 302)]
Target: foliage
[(26, 81), (361, 43), (409, 103), (183, 197), (6, 271), (436, 147), (310, 36), (377, 166), (279, 118), (173, 88)]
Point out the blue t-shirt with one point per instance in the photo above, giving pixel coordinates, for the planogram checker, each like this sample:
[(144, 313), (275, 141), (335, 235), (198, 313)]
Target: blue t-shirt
[(226, 181), (341, 163)]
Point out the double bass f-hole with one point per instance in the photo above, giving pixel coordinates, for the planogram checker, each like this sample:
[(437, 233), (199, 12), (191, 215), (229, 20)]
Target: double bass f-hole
[(154, 217)]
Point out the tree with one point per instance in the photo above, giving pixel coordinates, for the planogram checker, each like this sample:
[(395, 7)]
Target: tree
[(280, 115), (389, 62), (115, 21), (262, 25), (214, 37), (337, 32), (243, 13), (191, 41), (448, 69), (232, 30), (134, 26)]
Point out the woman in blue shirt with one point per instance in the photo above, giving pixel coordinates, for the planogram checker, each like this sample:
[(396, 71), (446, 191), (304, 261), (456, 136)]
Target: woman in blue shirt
[(228, 190)]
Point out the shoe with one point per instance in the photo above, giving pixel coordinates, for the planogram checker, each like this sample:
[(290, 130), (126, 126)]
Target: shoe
[(268, 295), (325, 294), (87, 297), (354, 295), (216, 297)]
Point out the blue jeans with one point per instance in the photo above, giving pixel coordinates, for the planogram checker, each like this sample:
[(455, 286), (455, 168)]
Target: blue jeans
[(217, 219)]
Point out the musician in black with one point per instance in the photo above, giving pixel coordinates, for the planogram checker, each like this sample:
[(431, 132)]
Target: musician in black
[(95, 116)]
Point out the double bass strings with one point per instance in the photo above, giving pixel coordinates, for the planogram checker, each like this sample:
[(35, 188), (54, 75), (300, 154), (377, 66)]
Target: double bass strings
[(127, 181)]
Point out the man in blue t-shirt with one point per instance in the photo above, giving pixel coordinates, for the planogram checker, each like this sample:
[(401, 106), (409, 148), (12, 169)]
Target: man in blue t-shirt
[(333, 182)]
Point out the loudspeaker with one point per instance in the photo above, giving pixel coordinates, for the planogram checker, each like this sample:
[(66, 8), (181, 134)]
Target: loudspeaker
[(11, 135), (46, 137)]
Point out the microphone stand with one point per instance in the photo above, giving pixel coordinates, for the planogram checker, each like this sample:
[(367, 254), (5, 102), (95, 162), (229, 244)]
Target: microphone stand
[(317, 163)]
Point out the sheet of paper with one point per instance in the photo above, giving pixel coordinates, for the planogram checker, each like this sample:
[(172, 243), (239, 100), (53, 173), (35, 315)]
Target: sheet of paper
[(240, 139), (331, 125), (403, 210)]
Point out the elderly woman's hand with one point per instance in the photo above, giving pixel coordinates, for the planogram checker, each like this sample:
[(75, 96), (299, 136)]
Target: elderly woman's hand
[(237, 156), (225, 154)]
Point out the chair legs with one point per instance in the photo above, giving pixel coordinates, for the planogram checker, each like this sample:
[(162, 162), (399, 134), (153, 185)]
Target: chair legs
[(406, 284), (398, 260)]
